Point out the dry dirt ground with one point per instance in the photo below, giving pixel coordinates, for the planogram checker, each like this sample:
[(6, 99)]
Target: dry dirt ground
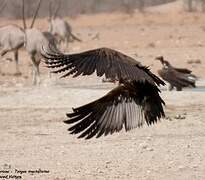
[(32, 133)]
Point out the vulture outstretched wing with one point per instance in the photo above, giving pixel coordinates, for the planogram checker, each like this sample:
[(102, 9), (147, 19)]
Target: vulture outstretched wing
[(135, 101), (105, 61), (121, 107)]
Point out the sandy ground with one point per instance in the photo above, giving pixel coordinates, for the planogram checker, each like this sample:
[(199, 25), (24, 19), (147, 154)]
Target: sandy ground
[(32, 133)]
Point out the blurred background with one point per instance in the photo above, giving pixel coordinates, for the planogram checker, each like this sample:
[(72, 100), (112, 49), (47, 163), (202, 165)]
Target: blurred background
[(77, 7), (143, 29)]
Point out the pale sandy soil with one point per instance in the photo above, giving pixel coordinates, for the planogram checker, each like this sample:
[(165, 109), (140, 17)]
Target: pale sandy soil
[(33, 135)]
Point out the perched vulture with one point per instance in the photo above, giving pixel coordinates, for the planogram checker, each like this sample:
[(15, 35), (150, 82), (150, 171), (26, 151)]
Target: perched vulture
[(176, 77), (133, 102)]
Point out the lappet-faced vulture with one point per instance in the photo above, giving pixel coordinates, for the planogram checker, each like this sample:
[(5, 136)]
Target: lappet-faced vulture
[(132, 103), (176, 77)]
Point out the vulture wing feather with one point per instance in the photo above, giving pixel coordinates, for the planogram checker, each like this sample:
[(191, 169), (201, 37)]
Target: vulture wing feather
[(112, 63)]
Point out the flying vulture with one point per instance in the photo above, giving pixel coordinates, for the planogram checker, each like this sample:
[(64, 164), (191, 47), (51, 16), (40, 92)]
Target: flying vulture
[(176, 77), (132, 103)]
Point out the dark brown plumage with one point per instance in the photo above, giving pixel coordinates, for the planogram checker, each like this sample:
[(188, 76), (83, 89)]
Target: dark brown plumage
[(135, 101), (176, 77)]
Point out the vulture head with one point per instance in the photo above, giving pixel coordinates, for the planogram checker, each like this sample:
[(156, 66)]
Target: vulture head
[(165, 63)]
